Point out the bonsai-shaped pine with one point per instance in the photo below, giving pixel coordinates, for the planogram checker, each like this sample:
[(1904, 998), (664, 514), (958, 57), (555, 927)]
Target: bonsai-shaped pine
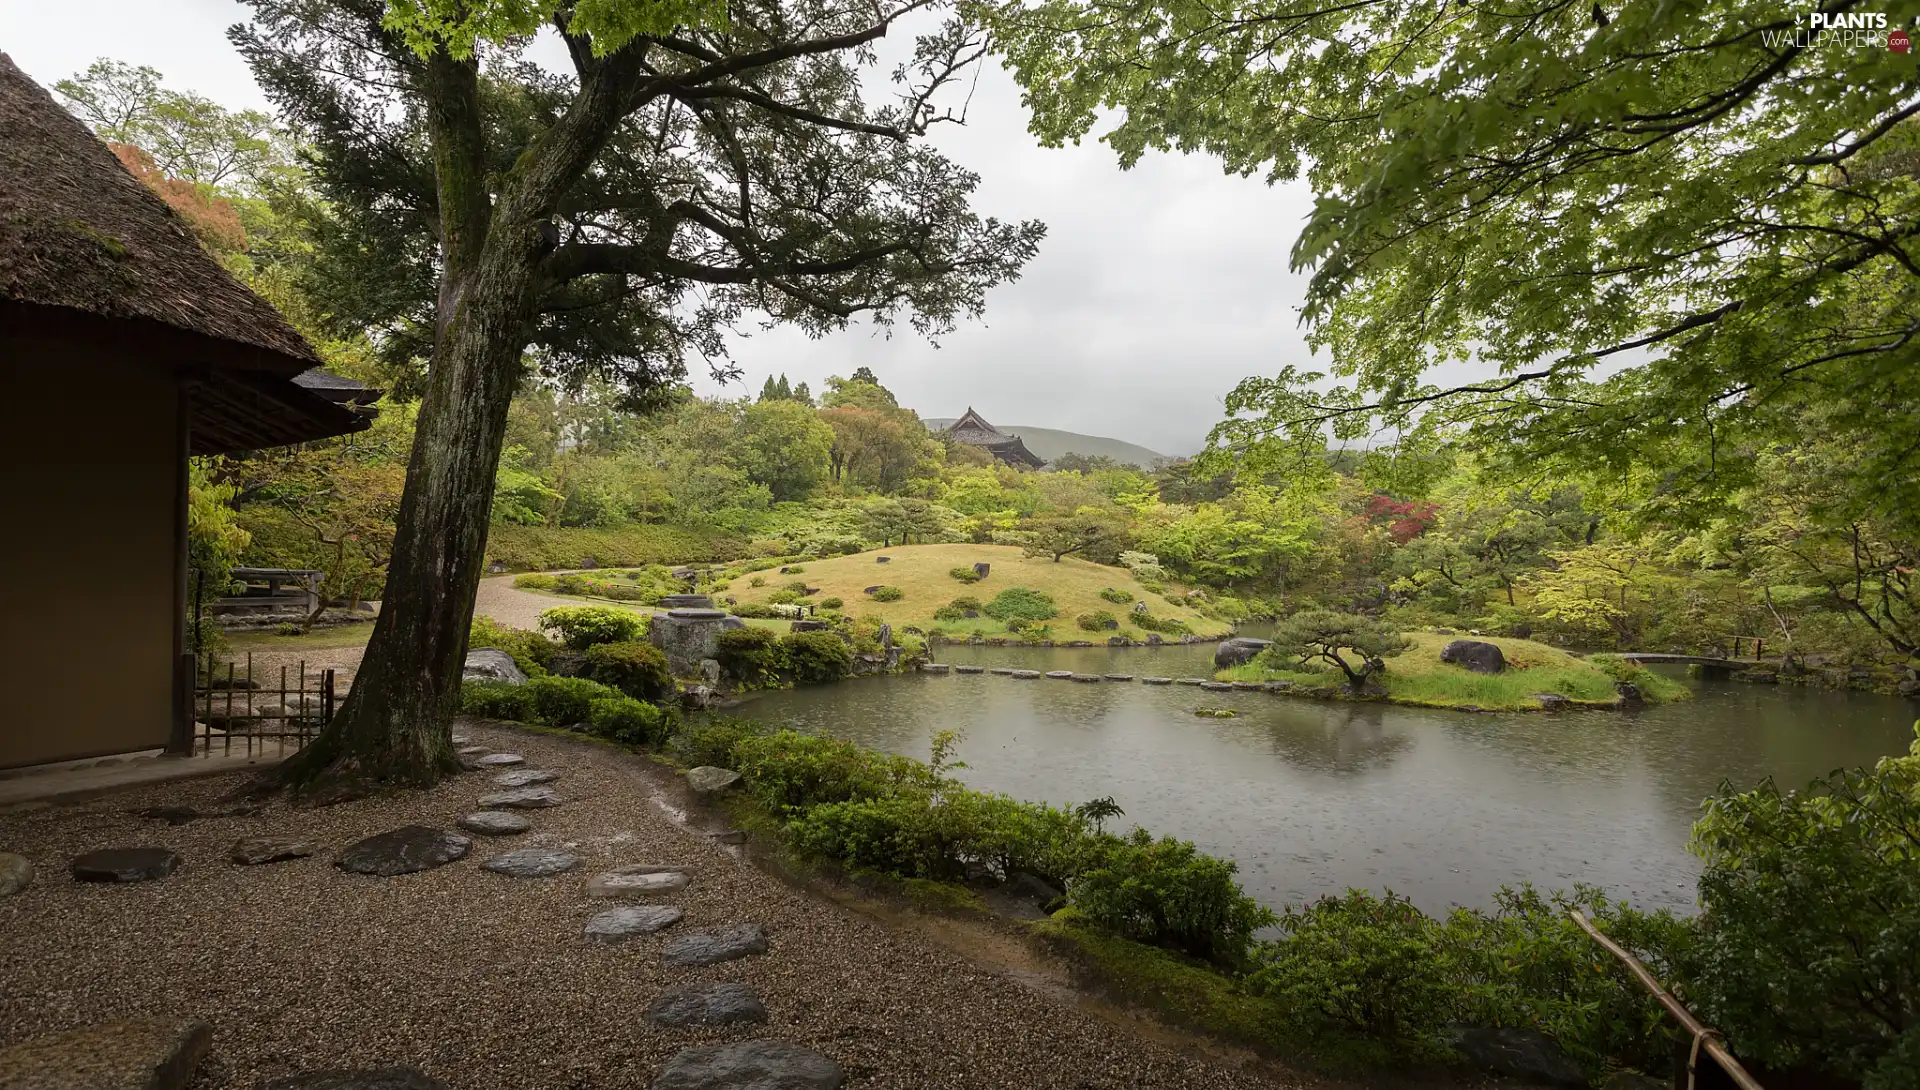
[(1321, 635)]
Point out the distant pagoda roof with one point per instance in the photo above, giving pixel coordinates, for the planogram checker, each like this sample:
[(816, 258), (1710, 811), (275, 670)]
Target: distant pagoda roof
[(973, 430)]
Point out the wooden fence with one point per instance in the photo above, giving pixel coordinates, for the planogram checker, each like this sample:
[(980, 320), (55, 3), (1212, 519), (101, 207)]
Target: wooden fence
[(237, 711)]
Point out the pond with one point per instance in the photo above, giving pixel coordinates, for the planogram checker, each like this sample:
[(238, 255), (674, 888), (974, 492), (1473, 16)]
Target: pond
[(1311, 798)]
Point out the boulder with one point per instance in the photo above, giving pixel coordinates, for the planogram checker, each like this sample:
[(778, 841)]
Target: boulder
[(1238, 651), (406, 850), (1629, 693), (1521, 1053), (707, 1004), (1553, 702), (709, 779), (699, 697), (638, 880), (252, 851), (710, 672), (532, 863), (1475, 655), (373, 1078), (521, 798), (982, 568), (491, 664), (749, 1065), (526, 777), (16, 873), (124, 865), (811, 626), (617, 925), (882, 559), (712, 947), (567, 664), (871, 589), (150, 1054), (885, 635), (494, 823), (1030, 887)]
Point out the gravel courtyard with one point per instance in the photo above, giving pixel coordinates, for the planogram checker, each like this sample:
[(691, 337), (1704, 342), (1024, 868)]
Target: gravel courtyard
[(487, 981)]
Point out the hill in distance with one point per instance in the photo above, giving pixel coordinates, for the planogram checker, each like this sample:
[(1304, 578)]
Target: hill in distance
[(1051, 443)]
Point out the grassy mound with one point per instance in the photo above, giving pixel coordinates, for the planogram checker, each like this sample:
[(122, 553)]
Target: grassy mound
[(1417, 676), (924, 575)]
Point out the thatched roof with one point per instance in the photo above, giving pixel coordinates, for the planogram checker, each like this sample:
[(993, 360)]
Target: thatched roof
[(85, 248)]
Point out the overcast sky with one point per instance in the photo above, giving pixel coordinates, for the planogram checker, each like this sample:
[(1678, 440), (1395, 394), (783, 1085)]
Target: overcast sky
[(1155, 290)]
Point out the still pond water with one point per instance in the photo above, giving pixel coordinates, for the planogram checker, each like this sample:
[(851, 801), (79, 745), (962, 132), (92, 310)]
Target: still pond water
[(1311, 798)]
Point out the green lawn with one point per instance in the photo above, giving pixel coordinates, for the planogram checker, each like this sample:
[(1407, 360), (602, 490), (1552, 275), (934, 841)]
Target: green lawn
[(1417, 676)]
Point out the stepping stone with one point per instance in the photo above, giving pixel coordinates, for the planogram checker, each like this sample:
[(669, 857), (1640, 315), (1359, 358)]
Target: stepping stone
[(1086, 677), (501, 760), (1217, 686), (749, 1065), (707, 1005), (251, 851), (152, 1054), (1248, 686), (458, 739), (1000, 670), (16, 873), (376, 1078), (969, 669), (934, 667), (474, 751), (620, 924), (1190, 681), (125, 865), (406, 850), (494, 823), (1025, 675), (526, 777), (532, 863), (709, 779), (1060, 675), (522, 798), (1156, 681), (1119, 677), (713, 947), (638, 880), (172, 815)]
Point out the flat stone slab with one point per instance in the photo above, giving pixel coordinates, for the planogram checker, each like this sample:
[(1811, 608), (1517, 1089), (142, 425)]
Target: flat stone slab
[(406, 850), (1089, 678), (1060, 675), (620, 924), (934, 667), (969, 669), (150, 1054), (1025, 675), (707, 1004), (639, 880), (1156, 681), (375, 1078), (526, 777), (501, 760), (124, 865), (251, 851), (1217, 686), (521, 798), (532, 863), (999, 669), (1190, 681), (713, 947), (1118, 677), (16, 873), (708, 779), (494, 823), (1248, 686), (473, 751), (749, 1065)]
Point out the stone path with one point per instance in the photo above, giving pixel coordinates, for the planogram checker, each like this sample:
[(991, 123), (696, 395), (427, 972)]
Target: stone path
[(124, 865), (494, 823)]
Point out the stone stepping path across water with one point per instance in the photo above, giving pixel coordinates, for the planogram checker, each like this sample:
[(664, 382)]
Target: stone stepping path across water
[(494, 823), (1190, 681), (707, 1004), (1060, 675), (969, 669), (525, 777), (406, 850), (712, 947), (124, 865), (749, 1065), (252, 851), (1000, 670), (501, 760), (521, 798), (639, 880), (617, 925), (532, 863), (1087, 678), (1156, 681), (1025, 675), (1119, 677)]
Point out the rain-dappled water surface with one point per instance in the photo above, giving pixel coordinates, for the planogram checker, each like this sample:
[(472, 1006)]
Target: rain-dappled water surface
[(1311, 798)]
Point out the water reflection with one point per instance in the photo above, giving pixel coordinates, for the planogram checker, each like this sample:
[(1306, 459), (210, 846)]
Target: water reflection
[(1311, 798)]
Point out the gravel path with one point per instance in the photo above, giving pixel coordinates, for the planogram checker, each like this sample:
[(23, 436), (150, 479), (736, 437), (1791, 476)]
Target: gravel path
[(487, 981)]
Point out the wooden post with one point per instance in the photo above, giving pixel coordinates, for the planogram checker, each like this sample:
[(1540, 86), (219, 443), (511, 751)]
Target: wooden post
[(180, 732)]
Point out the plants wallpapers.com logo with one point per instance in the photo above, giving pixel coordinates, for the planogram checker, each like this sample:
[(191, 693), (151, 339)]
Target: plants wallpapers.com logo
[(1846, 29)]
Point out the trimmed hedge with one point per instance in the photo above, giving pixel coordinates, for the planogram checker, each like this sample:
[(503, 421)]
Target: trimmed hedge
[(564, 701), (635, 668), (582, 627), (815, 658)]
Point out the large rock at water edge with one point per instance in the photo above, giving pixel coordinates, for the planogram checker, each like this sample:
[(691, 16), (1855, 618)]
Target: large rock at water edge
[(252, 851), (146, 1053), (16, 873), (377, 1078), (710, 779), (713, 947), (1238, 651), (406, 850), (749, 1065), (707, 1004), (1522, 1053), (1476, 655), (125, 865), (620, 924), (532, 863), (491, 664)]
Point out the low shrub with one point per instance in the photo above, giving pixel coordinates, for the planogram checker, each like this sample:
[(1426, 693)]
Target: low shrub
[(1022, 604), (794, 569), (815, 658), (750, 656), (531, 651), (581, 627), (1166, 893), (799, 586), (888, 594), (535, 581), (791, 772), (753, 610), (635, 668), (633, 722), (1100, 621), (1363, 964), (965, 575), (1166, 625), (785, 597), (757, 581), (831, 603), (712, 741), (1117, 597), (496, 700), (564, 701)]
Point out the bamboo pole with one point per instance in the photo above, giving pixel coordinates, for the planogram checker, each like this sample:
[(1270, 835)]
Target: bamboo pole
[(1704, 1039)]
